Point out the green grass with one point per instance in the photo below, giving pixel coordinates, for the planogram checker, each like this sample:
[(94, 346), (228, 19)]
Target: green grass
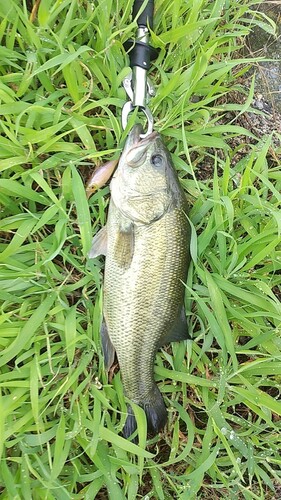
[(60, 104)]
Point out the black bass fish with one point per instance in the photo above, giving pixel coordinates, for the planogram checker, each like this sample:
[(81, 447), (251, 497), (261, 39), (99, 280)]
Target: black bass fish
[(146, 243)]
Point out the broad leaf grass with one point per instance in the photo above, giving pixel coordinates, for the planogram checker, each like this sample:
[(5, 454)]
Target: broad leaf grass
[(60, 419)]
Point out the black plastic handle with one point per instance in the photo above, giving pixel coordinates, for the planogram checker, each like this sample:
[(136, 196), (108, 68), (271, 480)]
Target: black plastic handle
[(140, 53), (146, 17)]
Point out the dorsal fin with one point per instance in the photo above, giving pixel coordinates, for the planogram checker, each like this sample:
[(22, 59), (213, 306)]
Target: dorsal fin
[(178, 331)]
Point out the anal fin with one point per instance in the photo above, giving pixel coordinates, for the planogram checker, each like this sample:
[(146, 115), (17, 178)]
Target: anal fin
[(107, 347)]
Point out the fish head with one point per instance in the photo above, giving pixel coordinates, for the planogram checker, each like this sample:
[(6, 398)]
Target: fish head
[(146, 165), (145, 184)]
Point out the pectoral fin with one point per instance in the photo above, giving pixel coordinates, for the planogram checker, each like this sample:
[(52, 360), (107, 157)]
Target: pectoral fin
[(179, 330), (146, 208), (107, 347), (124, 246), (99, 244)]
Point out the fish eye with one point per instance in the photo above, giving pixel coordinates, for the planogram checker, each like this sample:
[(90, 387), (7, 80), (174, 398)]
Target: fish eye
[(157, 160)]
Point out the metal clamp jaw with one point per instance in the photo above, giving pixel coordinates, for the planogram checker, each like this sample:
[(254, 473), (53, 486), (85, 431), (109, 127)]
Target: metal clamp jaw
[(137, 86), (139, 97)]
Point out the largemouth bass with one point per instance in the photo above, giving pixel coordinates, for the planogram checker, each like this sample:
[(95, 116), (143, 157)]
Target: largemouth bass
[(146, 243)]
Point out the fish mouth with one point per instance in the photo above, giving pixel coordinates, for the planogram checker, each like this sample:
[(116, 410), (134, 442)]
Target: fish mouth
[(134, 137), (147, 139), (137, 142)]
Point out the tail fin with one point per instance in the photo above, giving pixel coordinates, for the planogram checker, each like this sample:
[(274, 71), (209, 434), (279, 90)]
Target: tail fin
[(156, 414)]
